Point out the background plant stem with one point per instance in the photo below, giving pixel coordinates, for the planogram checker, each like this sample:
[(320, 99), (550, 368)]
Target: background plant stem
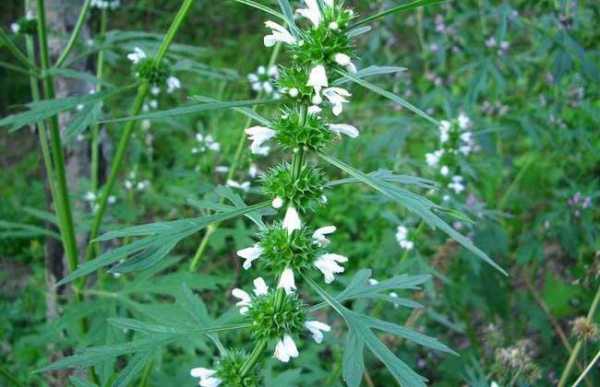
[(62, 203), (571, 362), (75, 34), (130, 127)]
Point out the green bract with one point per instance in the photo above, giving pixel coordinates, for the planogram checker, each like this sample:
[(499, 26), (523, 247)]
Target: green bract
[(297, 251), (301, 191), (296, 130), (320, 45), (228, 370), (272, 322), (27, 26), (295, 77), (156, 74)]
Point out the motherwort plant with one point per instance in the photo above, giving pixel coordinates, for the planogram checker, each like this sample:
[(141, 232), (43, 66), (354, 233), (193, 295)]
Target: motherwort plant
[(291, 258)]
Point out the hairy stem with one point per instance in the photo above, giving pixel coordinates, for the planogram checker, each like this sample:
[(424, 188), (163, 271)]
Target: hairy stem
[(63, 203), (75, 34)]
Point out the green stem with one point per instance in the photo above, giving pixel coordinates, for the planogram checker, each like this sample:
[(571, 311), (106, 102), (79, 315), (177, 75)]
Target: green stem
[(115, 167), (587, 369), (63, 203), (146, 374), (15, 51), (74, 34), (130, 127), (254, 357), (571, 362), (232, 170), (96, 128)]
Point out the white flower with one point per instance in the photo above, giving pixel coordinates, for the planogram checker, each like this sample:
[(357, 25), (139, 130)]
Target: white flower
[(259, 135), (444, 170), (260, 287), (221, 169), (346, 129), (207, 378), (319, 236), (312, 12), (285, 349), (328, 264), (89, 196), (287, 281), (244, 186), (457, 184), (494, 384), (314, 110), (245, 300), (434, 158), (250, 254), (402, 238), (394, 295), (337, 97), (173, 84), (463, 121), (137, 55), (317, 79), (155, 90), (263, 79), (15, 28), (277, 202), (293, 92), (317, 328), (444, 130), (291, 221), (112, 199), (278, 34), (373, 281), (345, 61)]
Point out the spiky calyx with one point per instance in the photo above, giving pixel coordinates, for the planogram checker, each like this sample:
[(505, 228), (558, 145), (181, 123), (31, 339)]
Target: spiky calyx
[(301, 191), (272, 322)]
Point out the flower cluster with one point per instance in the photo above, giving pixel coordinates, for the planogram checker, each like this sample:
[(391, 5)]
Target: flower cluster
[(106, 4), (456, 140), (226, 372), (26, 25), (578, 203), (264, 81), (156, 74), (92, 198), (204, 143), (321, 51), (402, 238), (132, 183)]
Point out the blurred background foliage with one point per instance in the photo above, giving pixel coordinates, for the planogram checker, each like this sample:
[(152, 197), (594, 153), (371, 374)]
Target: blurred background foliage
[(526, 74)]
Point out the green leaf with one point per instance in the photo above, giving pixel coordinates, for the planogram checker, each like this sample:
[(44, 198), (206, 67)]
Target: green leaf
[(160, 239), (95, 355), (397, 9), (191, 109), (78, 382), (135, 365), (41, 110), (414, 203), (389, 95), (23, 230), (262, 7), (370, 71), (353, 361), (250, 113), (81, 75), (361, 331), (89, 115)]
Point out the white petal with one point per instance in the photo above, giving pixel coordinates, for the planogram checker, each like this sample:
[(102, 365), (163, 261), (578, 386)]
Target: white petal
[(317, 78), (281, 352), (277, 202), (319, 235), (287, 281), (342, 59), (291, 221), (346, 129), (202, 372), (317, 328), (210, 382), (250, 254), (290, 346), (260, 287)]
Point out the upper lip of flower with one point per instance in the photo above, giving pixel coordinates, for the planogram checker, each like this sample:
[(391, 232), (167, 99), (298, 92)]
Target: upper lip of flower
[(278, 34)]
